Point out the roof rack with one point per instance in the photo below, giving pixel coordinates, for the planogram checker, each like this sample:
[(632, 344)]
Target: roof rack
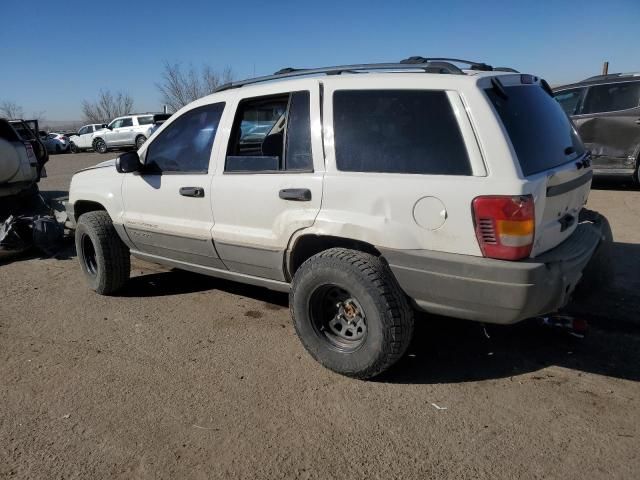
[(610, 76), (427, 65)]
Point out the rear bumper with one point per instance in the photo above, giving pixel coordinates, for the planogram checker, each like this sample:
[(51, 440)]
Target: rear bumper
[(495, 291)]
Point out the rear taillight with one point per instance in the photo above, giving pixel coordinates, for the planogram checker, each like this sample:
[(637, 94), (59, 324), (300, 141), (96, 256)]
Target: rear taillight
[(505, 225), (29, 148)]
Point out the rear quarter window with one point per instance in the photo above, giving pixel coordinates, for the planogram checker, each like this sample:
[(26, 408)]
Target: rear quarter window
[(612, 97), (398, 131), (540, 131)]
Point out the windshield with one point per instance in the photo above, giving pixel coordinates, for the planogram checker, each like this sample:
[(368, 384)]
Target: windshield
[(542, 135)]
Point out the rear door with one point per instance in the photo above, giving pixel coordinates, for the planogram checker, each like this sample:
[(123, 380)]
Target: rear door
[(271, 179), (125, 134), (167, 205), (551, 157), (609, 124)]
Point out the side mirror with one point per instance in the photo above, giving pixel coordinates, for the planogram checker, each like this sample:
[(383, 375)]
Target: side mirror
[(128, 162)]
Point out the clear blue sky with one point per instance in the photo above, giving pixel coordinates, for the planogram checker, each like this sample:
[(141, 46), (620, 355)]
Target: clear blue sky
[(53, 55)]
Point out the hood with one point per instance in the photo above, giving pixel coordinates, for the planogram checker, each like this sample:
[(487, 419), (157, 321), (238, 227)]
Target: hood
[(105, 164)]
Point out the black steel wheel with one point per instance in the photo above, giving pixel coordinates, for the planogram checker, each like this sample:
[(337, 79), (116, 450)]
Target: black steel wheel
[(338, 318), (88, 255)]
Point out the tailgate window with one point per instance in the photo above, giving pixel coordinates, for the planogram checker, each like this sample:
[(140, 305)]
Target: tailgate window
[(542, 135)]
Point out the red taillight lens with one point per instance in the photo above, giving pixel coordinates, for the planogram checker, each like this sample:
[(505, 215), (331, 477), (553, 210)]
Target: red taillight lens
[(505, 225), (29, 148)]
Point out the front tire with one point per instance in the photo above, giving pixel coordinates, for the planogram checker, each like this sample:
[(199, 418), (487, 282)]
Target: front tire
[(350, 312), (74, 148), (104, 258), (99, 145)]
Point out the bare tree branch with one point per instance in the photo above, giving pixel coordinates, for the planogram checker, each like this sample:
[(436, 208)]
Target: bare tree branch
[(107, 107), (180, 87), (11, 110)]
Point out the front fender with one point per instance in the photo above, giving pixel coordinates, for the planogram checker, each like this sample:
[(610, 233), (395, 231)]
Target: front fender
[(101, 184)]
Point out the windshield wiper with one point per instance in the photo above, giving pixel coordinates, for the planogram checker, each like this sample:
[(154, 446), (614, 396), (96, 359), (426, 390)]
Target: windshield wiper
[(498, 88)]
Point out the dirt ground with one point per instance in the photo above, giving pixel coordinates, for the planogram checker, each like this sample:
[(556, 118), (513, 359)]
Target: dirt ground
[(185, 376)]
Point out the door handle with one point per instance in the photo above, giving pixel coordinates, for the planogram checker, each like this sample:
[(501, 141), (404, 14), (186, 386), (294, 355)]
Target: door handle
[(295, 194), (192, 192)]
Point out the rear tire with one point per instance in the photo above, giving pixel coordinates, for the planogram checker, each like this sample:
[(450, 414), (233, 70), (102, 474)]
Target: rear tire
[(350, 312), (104, 258), (99, 145)]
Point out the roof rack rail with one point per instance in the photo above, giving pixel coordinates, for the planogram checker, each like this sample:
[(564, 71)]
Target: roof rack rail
[(609, 76), (417, 60), (428, 66)]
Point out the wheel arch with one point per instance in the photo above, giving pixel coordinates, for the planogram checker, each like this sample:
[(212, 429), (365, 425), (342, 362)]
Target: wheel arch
[(307, 245), (81, 207)]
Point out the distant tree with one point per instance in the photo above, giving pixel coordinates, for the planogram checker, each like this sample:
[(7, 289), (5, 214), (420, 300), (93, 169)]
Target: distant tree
[(180, 87), (107, 107), (11, 110), (39, 116)]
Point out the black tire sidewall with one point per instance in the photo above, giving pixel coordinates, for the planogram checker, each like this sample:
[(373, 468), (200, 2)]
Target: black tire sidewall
[(93, 280), (324, 272), (140, 140)]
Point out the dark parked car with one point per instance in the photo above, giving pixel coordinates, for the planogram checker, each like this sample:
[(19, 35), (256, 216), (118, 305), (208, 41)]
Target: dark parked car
[(606, 112)]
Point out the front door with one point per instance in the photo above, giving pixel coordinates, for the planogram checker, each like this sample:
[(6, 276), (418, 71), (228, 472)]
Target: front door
[(271, 183), (167, 205)]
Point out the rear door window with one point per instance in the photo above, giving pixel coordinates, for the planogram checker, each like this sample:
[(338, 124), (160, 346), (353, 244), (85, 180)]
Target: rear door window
[(542, 135), (271, 134), (569, 99), (147, 120), (612, 97), (398, 131)]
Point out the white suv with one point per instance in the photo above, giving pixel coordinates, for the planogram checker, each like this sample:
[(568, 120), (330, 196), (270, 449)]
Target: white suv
[(368, 195), (83, 140), (127, 131)]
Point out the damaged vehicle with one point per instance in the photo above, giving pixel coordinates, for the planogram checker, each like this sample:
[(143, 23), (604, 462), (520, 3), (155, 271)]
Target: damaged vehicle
[(371, 191), (606, 112), (25, 217)]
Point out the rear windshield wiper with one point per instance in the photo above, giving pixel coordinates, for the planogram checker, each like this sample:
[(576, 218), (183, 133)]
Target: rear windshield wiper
[(498, 88)]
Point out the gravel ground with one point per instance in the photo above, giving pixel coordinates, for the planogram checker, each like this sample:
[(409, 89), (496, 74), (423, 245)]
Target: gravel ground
[(185, 376)]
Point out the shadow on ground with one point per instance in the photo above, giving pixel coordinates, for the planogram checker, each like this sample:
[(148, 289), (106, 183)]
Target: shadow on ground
[(176, 282), (447, 350), (58, 195), (614, 183)]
